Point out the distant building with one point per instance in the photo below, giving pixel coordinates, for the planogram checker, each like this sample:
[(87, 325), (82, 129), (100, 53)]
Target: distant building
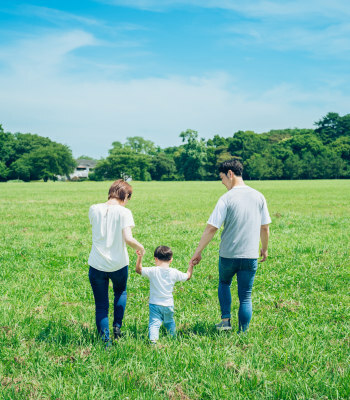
[(82, 169)]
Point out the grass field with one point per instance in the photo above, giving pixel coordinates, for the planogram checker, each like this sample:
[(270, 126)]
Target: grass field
[(298, 343)]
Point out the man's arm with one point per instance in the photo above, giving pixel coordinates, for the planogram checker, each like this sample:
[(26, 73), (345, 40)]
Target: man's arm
[(132, 242), (207, 236), (264, 237), (138, 268)]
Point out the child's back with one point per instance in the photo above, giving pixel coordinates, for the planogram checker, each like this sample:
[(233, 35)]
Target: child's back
[(162, 280)]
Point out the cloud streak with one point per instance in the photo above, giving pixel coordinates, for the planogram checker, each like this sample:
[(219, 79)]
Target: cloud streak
[(255, 8)]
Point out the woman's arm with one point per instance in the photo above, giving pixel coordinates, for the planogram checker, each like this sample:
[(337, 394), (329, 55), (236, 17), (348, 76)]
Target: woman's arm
[(138, 263), (132, 242)]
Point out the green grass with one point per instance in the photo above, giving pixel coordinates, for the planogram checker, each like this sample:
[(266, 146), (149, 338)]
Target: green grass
[(297, 346)]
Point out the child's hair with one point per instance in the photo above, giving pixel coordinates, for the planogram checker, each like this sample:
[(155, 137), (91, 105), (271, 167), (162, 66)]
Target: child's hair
[(163, 253)]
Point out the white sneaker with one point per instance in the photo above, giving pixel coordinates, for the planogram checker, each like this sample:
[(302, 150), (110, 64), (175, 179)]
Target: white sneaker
[(224, 325)]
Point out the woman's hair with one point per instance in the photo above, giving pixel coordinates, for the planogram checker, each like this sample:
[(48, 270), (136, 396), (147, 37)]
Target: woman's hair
[(163, 253), (120, 190)]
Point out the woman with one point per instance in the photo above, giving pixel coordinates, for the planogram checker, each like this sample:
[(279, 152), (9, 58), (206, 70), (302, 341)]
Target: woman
[(111, 231)]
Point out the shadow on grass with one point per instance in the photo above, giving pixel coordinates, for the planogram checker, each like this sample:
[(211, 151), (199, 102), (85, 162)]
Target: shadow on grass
[(63, 334), (198, 329)]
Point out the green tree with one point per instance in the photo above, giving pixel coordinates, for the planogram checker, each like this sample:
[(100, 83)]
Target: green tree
[(140, 145), (193, 158), (44, 162), (163, 167), (123, 164)]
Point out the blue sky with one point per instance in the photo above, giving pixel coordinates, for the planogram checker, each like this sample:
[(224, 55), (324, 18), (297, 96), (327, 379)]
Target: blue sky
[(87, 73)]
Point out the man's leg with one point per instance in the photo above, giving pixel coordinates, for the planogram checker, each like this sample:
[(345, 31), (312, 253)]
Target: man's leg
[(155, 322), (245, 280), (226, 272), (99, 284), (169, 322), (119, 279)]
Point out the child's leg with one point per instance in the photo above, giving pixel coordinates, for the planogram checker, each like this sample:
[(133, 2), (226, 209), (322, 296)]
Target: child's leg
[(169, 322), (155, 322)]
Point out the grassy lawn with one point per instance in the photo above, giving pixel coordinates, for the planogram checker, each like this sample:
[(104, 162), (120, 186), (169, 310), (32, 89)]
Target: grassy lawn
[(298, 343)]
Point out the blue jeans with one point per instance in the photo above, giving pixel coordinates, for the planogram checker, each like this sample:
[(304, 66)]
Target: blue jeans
[(99, 281), (158, 315), (245, 269)]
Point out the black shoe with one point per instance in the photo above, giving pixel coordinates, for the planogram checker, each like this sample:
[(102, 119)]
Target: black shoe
[(117, 332), (224, 326)]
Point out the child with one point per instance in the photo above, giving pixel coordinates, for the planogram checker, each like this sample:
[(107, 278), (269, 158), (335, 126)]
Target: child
[(162, 280)]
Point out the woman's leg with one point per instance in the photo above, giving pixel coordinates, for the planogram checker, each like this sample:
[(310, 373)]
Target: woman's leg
[(99, 284), (119, 279), (245, 280)]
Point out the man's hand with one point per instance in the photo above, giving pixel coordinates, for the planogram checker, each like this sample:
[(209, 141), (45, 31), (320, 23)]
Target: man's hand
[(196, 259), (263, 255)]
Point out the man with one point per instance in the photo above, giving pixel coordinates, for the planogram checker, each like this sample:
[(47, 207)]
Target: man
[(246, 219)]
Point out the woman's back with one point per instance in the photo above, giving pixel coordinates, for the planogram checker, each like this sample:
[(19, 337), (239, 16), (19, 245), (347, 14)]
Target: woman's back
[(108, 251)]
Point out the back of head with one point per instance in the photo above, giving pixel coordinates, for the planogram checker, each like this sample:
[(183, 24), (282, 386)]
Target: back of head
[(234, 165), (163, 253), (120, 190)]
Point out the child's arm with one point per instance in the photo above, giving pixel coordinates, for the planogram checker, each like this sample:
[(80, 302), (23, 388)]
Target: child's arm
[(139, 262), (189, 272)]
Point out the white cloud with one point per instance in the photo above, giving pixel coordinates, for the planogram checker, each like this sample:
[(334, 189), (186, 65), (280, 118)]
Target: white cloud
[(332, 40), (89, 114)]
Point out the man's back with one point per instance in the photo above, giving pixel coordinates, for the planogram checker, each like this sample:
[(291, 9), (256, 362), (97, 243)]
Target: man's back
[(242, 210)]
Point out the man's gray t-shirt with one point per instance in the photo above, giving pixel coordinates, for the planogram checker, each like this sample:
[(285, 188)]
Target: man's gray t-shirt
[(242, 210)]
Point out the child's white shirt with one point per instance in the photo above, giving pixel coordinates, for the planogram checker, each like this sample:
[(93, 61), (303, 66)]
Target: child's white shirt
[(162, 281)]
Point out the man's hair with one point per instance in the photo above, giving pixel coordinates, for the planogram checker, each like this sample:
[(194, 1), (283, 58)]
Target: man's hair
[(163, 253), (120, 190), (234, 165)]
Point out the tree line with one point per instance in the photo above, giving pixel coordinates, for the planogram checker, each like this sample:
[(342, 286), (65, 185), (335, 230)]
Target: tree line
[(318, 153), (29, 157), (323, 152)]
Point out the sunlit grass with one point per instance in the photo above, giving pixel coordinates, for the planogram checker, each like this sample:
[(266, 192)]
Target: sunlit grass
[(298, 343)]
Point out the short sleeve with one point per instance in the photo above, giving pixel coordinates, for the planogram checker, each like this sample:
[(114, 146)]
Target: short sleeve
[(146, 271), (265, 216), (127, 219), (218, 216), (91, 214), (180, 276)]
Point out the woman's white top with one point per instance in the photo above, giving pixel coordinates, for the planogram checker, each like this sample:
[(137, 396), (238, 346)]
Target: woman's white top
[(108, 251)]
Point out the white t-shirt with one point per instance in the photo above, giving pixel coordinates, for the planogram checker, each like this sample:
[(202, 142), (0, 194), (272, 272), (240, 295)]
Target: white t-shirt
[(162, 281), (108, 251), (242, 210)]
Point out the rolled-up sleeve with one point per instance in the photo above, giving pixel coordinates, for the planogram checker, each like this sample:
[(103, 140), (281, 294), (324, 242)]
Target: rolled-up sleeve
[(265, 216), (218, 216)]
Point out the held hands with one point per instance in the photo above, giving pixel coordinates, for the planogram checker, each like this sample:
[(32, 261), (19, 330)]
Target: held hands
[(196, 259), (141, 253)]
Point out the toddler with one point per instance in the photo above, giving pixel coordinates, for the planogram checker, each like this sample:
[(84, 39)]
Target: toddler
[(162, 280)]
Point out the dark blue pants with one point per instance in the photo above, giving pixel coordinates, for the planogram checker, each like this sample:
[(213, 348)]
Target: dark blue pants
[(244, 269), (99, 281)]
